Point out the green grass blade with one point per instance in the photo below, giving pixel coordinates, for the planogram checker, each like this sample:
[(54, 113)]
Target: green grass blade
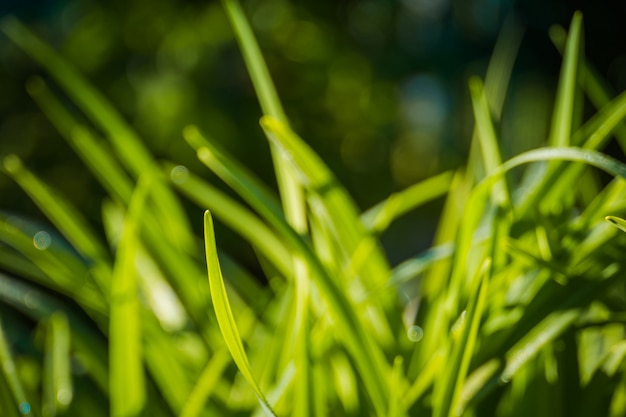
[(65, 217), (564, 105), (94, 154), (224, 314), (368, 357), (266, 92), (448, 389), (237, 217), (488, 140), (206, 384), (340, 210), (57, 389), (617, 222), (127, 144), (8, 372), (126, 378), (378, 218)]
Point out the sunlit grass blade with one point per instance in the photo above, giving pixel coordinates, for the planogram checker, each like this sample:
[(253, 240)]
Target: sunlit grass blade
[(448, 389), (266, 92), (126, 363), (368, 357), (8, 372), (237, 217), (57, 390), (488, 141), (224, 314), (617, 222), (594, 87), (341, 211), (564, 105), (378, 218)]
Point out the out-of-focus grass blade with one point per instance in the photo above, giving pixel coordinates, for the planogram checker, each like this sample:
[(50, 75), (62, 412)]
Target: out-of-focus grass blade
[(378, 218), (57, 389), (8, 372), (126, 378), (617, 222), (99, 159), (266, 92), (125, 141), (63, 271), (224, 314), (488, 140), (564, 105), (340, 209), (596, 90), (237, 217), (67, 219), (368, 357), (448, 389), (206, 384)]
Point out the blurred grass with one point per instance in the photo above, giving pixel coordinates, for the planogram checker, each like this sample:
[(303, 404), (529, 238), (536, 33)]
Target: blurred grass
[(520, 299)]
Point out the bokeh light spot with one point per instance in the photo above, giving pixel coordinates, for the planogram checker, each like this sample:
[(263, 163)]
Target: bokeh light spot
[(415, 333), (42, 240), (179, 174)]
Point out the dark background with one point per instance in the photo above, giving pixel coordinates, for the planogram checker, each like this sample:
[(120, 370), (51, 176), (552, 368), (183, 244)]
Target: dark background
[(377, 88)]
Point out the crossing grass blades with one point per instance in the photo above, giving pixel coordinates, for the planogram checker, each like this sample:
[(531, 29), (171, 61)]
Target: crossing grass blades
[(519, 307)]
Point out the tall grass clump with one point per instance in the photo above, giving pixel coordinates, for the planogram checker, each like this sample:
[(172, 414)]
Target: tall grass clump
[(519, 307)]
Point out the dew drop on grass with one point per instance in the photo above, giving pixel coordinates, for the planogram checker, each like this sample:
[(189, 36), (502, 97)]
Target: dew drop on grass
[(42, 240), (415, 333), (179, 174)]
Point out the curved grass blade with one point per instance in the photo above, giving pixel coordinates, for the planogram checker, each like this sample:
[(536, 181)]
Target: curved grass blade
[(224, 314), (126, 377), (378, 218), (57, 389), (368, 357)]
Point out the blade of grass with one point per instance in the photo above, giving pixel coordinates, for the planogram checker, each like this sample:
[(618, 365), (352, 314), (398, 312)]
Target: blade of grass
[(126, 378), (448, 389), (127, 144), (224, 314), (8, 372), (564, 104), (378, 218), (340, 210), (368, 357), (237, 217), (488, 141), (206, 384), (57, 389), (617, 222)]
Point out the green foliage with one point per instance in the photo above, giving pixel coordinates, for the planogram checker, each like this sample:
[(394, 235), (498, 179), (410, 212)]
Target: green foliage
[(521, 298)]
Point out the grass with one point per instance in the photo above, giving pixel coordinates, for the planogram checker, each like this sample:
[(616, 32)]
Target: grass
[(518, 308)]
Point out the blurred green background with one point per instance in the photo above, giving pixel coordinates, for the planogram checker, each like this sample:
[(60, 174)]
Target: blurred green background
[(378, 88)]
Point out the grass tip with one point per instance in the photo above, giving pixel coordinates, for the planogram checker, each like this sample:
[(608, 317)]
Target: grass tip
[(12, 163)]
